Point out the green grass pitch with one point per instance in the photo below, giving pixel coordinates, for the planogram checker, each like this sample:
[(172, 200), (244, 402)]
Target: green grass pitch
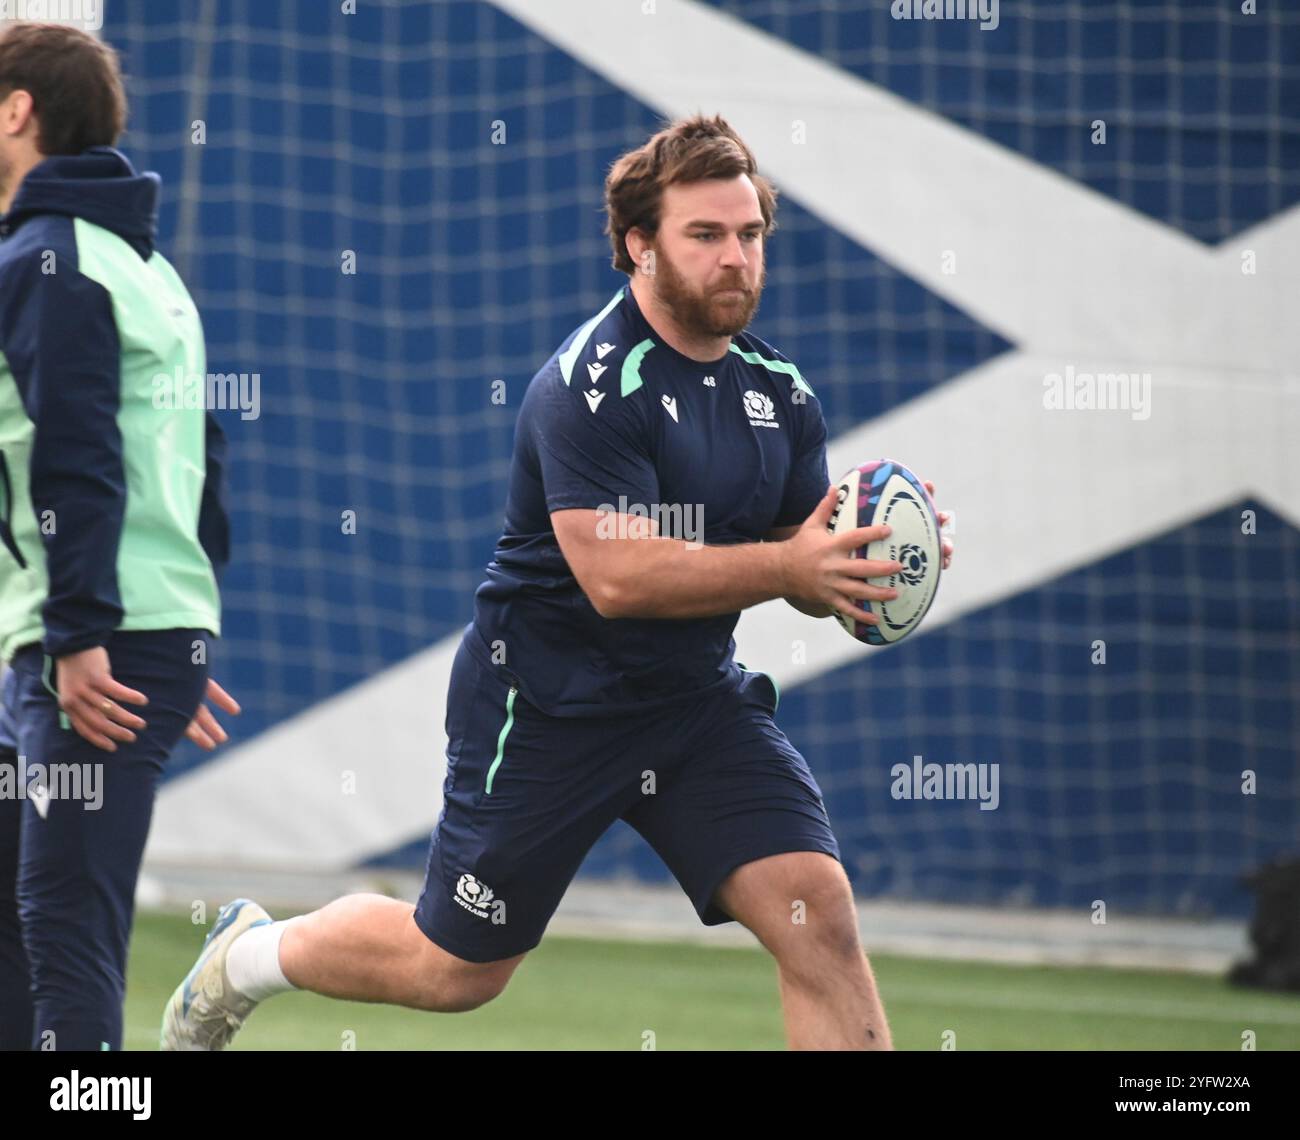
[(580, 994)]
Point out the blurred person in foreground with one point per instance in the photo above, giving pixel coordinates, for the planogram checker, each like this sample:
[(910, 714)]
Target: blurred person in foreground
[(113, 530)]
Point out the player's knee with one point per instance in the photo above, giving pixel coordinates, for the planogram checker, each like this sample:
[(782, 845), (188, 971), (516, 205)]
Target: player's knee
[(471, 993), (458, 987), (826, 941), (834, 939), (824, 967), (454, 995)]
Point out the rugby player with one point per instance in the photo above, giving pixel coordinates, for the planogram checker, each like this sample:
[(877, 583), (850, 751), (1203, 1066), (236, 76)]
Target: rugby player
[(597, 680)]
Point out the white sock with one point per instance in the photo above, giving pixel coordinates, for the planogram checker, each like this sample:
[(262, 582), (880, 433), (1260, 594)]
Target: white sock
[(253, 962)]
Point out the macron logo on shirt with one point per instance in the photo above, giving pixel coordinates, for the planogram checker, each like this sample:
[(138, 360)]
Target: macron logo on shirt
[(593, 399)]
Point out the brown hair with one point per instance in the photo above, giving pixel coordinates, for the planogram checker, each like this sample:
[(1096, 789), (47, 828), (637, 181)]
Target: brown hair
[(689, 150), (74, 81)]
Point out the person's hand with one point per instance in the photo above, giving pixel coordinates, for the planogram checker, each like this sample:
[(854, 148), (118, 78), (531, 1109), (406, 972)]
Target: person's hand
[(204, 729), (944, 519), (819, 566), (91, 699)]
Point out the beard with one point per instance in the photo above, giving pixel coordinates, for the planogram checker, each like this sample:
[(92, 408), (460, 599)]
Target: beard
[(705, 314), (6, 173)]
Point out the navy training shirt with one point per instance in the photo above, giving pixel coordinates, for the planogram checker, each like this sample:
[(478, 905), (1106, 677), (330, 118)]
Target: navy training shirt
[(619, 419)]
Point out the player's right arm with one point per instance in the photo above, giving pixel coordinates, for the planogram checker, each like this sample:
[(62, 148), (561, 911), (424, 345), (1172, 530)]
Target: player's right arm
[(646, 576), (592, 461)]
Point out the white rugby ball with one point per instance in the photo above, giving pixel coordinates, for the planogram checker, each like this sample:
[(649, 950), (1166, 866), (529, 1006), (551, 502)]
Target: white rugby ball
[(887, 493)]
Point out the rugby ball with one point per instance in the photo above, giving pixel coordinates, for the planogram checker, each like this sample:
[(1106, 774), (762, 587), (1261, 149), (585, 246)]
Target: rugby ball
[(887, 493)]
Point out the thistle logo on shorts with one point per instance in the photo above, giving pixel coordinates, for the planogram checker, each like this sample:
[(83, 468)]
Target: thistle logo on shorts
[(760, 410), (473, 895)]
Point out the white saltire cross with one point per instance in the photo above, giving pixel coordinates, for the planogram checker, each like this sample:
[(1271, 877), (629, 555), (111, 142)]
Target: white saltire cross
[(1068, 276)]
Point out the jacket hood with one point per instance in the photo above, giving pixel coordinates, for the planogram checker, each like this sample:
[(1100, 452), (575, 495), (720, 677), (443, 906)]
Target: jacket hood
[(99, 185)]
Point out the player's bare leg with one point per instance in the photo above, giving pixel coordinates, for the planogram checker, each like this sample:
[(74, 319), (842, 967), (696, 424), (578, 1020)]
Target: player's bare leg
[(368, 948), (361, 948), (800, 907)]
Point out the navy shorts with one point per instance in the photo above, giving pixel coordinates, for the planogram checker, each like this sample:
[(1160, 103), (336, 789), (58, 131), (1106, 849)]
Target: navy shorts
[(711, 784)]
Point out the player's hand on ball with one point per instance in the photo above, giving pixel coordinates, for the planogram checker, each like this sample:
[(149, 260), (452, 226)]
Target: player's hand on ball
[(820, 566), (944, 519), (89, 697), (204, 729)]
